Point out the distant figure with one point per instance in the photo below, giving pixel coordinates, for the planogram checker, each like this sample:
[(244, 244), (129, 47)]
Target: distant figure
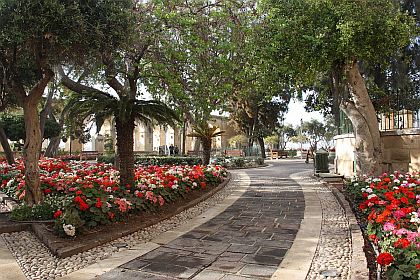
[(176, 150), (171, 149)]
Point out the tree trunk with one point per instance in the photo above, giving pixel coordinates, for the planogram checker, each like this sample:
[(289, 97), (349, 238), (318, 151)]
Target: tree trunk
[(206, 151), (362, 114), (261, 142), (33, 141), (6, 147), (125, 142), (31, 152)]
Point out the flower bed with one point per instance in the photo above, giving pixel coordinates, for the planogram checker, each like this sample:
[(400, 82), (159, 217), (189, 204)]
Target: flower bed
[(390, 204), (84, 195)]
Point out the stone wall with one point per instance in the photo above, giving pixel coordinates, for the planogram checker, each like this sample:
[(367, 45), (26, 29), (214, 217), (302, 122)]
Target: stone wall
[(400, 152)]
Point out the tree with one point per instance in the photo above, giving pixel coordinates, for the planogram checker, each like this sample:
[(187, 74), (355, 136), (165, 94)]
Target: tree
[(238, 140), (286, 132), (255, 116), (272, 140), (306, 38), (125, 111), (14, 127), (202, 56), (314, 131), (206, 133), (37, 34)]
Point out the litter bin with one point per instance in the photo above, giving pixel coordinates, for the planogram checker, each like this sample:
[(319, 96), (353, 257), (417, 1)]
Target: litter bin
[(321, 161)]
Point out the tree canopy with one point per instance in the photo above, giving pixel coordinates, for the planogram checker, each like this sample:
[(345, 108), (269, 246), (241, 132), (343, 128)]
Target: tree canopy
[(309, 38)]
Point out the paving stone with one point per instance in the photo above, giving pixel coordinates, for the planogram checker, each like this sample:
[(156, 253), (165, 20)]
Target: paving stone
[(262, 259), (168, 269), (189, 261), (208, 274), (118, 273), (135, 264), (232, 257), (258, 270), (231, 267), (235, 248)]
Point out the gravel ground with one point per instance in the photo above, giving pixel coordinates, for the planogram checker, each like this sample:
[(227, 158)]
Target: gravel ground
[(4, 208), (333, 255), (332, 259)]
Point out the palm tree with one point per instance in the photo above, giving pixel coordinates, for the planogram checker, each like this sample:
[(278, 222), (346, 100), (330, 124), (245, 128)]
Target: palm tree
[(206, 133), (125, 111)]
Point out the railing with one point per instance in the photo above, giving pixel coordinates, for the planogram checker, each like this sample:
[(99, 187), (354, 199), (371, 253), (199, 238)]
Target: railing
[(246, 151), (398, 110), (402, 119)]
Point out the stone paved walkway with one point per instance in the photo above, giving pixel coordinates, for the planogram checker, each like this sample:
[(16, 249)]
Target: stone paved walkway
[(248, 240)]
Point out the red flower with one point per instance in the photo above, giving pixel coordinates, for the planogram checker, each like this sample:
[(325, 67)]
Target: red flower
[(111, 215), (47, 191), (384, 259), (418, 266), (402, 242), (78, 192), (115, 188), (203, 184), (140, 194), (99, 203), (84, 206), (58, 214)]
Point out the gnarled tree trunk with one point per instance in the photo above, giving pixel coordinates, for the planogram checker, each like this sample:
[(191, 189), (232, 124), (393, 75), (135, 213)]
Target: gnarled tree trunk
[(362, 114), (6, 147)]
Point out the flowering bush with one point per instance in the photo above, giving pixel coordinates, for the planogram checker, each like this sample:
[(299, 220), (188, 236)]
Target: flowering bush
[(391, 205), (85, 195)]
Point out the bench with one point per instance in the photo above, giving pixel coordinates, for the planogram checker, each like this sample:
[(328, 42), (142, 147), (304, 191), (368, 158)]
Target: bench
[(234, 153), (195, 153), (276, 154), (90, 154)]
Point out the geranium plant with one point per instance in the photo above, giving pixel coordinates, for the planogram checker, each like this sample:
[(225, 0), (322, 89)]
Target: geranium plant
[(391, 206), (84, 195)]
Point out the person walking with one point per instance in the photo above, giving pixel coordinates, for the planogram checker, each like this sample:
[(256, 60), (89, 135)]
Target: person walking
[(171, 149), (176, 150)]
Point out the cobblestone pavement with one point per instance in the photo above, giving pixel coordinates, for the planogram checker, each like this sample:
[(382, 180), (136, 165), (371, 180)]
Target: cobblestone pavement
[(248, 240)]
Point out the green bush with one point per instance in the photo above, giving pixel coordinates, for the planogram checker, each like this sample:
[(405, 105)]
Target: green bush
[(157, 160), (259, 160), (238, 162), (39, 212), (106, 158)]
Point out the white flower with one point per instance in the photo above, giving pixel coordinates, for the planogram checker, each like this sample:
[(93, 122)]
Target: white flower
[(371, 195), (356, 184), (396, 181), (70, 230), (195, 184), (369, 190), (376, 180), (415, 218)]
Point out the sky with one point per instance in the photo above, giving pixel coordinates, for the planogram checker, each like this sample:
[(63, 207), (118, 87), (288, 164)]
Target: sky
[(297, 112)]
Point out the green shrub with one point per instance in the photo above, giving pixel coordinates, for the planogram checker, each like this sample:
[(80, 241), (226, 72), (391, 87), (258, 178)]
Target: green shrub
[(39, 212), (238, 162), (259, 160), (157, 160), (106, 158)]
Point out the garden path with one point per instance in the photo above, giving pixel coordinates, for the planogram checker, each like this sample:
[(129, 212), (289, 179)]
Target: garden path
[(249, 239)]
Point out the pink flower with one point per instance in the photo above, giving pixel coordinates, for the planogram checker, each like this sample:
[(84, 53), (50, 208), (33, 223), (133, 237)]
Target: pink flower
[(161, 201), (399, 214), (389, 226)]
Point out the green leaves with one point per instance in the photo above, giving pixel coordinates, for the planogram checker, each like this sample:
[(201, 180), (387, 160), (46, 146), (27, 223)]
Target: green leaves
[(309, 36)]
